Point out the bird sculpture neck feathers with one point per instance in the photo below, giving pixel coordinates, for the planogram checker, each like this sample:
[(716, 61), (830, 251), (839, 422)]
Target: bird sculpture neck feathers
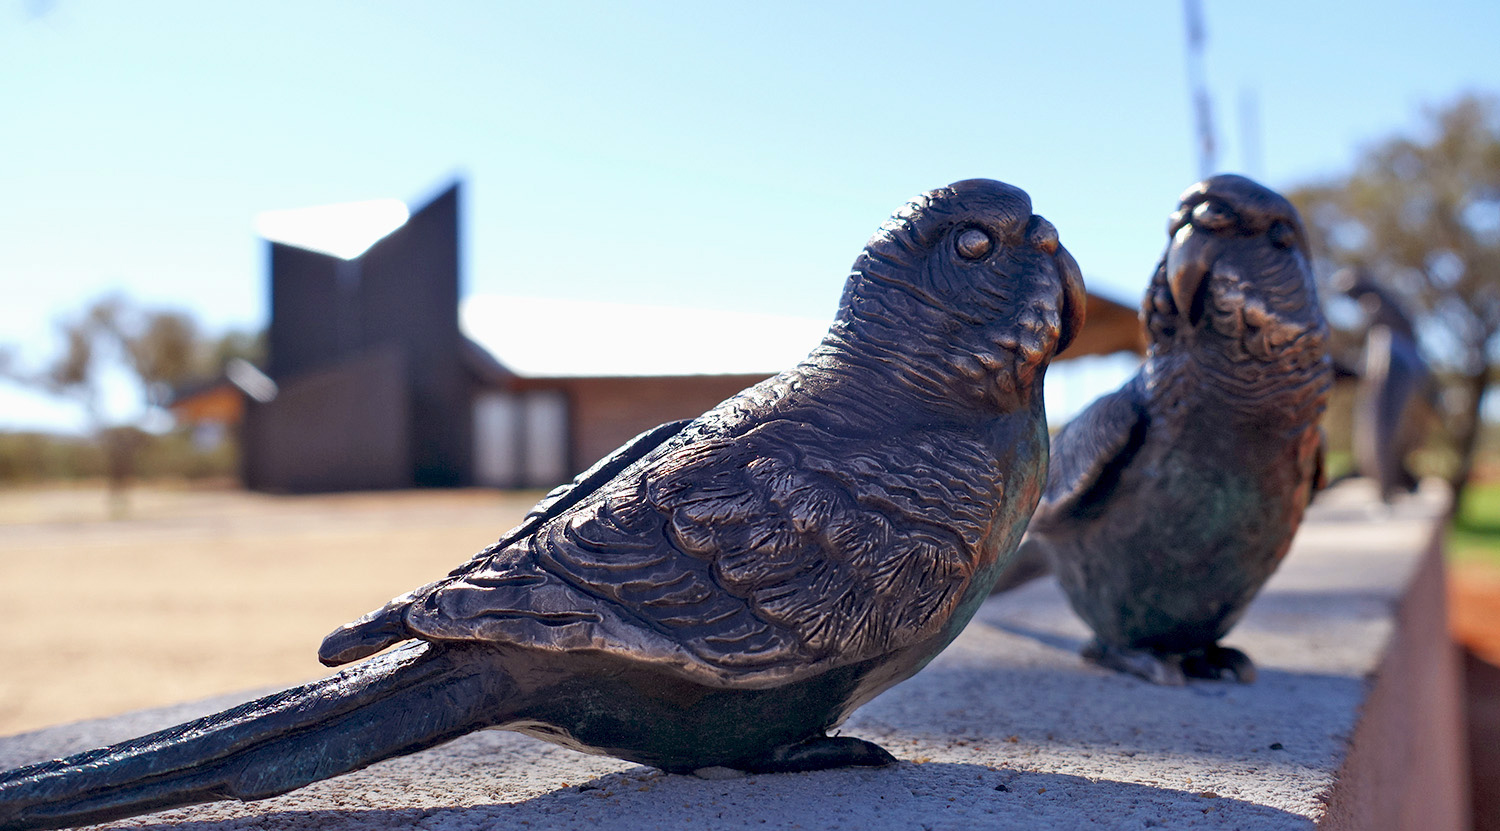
[(719, 592), (923, 299), (1232, 309)]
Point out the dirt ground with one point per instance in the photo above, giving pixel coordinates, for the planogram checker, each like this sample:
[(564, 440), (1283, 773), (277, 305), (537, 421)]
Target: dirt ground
[(201, 592)]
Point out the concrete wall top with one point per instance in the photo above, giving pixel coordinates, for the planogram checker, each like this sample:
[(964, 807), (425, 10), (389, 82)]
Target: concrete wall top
[(1006, 729)]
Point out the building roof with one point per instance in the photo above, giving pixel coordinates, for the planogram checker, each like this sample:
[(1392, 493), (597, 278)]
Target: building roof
[(345, 230), (562, 338), (1109, 327), (542, 337)]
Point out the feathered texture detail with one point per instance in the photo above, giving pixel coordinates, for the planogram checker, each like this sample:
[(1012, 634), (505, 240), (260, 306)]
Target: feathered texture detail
[(838, 511), (1231, 309), (800, 550)]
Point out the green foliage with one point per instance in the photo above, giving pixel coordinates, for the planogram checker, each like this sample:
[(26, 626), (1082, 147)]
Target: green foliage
[(160, 347), (164, 350), (1338, 463), (33, 458), (249, 346), (1421, 217), (1475, 532), (39, 457), (176, 455)]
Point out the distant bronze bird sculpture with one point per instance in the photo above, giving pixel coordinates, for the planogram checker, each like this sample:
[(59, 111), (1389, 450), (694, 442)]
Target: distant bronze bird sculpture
[(719, 593), (1395, 392), (1171, 501)]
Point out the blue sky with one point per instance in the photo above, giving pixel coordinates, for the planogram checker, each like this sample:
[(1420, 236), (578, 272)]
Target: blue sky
[(711, 155)]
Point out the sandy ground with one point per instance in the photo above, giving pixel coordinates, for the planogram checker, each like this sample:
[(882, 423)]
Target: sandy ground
[(199, 593)]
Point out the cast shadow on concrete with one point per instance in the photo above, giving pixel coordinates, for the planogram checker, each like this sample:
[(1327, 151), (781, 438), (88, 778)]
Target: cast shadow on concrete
[(1097, 711), (932, 795), (1057, 640), (1041, 602), (1333, 512), (1283, 609), (1274, 611)]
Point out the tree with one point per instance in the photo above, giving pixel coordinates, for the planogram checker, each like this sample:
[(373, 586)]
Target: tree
[(156, 350), (156, 347), (1422, 216), (232, 345)]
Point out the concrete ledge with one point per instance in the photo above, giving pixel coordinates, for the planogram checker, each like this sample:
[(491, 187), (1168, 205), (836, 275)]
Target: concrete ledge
[(1354, 723), (1407, 764)]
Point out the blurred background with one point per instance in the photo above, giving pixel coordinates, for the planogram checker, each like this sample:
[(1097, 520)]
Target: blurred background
[(647, 192), (346, 250)]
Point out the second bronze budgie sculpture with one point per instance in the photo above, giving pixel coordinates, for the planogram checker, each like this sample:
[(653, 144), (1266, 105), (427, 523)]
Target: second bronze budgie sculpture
[(1170, 501)]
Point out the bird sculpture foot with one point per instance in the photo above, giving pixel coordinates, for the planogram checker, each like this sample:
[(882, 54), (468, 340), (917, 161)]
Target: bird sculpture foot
[(1157, 667), (1219, 663), (822, 753)]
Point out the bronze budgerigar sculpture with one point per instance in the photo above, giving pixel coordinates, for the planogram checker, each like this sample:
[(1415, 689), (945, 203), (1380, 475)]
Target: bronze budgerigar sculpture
[(1172, 500), (1396, 392), (719, 593)]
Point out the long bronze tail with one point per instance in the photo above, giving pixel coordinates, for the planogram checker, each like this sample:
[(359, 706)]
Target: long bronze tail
[(413, 698)]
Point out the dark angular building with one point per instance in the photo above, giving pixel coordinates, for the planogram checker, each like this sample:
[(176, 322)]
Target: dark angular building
[(371, 381), (374, 381)]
